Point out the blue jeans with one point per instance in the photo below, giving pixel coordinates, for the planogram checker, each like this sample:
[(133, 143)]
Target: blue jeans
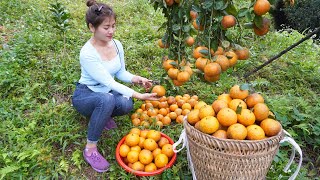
[(100, 107)]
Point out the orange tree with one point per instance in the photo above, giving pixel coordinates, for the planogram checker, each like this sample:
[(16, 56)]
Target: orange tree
[(199, 29)]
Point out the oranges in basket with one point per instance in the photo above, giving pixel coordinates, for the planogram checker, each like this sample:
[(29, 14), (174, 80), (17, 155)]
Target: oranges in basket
[(145, 152), (235, 115)]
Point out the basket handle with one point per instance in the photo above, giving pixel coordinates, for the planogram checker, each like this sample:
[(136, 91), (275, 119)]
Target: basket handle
[(182, 139), (295, 147)]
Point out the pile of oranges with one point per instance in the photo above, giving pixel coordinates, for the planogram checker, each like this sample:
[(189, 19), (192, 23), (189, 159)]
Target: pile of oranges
[(163, 112), (146, 150), (235, 115)]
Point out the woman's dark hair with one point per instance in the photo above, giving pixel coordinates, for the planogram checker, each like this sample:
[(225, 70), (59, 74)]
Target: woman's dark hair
[(97, 13)]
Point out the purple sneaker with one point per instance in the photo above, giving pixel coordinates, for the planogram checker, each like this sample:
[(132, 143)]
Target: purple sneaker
[(97, 161), (111, 124)]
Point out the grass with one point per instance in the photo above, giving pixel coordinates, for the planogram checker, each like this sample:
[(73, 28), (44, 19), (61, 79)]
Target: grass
[(43, 136)]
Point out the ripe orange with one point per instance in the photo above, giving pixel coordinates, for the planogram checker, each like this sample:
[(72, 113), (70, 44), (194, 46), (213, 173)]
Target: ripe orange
[(197, 26), (228, 21), (261, 7), (134, 115), (153, 134), (155, 104), (199, 104), (246, 117), (223, 61), (177, 83), (227, 117), (173, 73), (235, 103), (145, 156), (192, 102), (200, 51), (195, 97), (206, 110), (201, 62), (173, 107), (180, 102), (186, 106), (150, 144), (260, 31), (219, 51), (185, 112), (237, 93), (212, 69), (237, 131), (208, 124), (161, 44), (179, 119), (255, 132), (144, 133), (193, 14), (136, 122), (271, 127), (172, 115), (183, 76), (212, 78), (253, 99), (138, 166), (225, 97), (124, 150), (132, 139), (141, 140), (166, 120), (167, 64), (160, 90), (163, 141), (171, 100), (193, 117), (178, 111), (163, 99), (233, 58), (167, 150), (189, 41), (217, 105), (163, 111), (163, 104), (159, 124), (133, 156), (152, 112), (169, 2), (222, 134), (161, 160), (188, 69), (150, 167), (156, 152), (242, 54), (261, 111), (145, 124)]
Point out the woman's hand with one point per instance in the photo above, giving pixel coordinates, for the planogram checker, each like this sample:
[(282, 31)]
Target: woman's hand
[(146, 96), (146, 83)]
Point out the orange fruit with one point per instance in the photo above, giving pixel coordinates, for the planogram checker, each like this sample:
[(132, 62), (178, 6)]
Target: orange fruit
[(155, 104), (223, 61), (206, 110), (146, 124), (133, 156), (193, 14), (177, 83), (159, 124), (192, 102), (134, 115), (222, 134), (227, 117), (188, 69), (166, 120), (145, 156), (150, 167), (219, 51), (228, 21), (124, 150), (180, 102), (156, 152), (246, 117), (179, 119), (261, 111), (173, 107), (183, 76), (201, 62), (160, 90), (199, 104), (242, 54), (195, 97), (186, 106), (193, 117), (264, 29), (200, 51), (235, 103), (144, 133), (225, 97), (237, 131), (167, 64), (185, 112), (212, 78), (135, 148), (161, 44), (217, 105), (161, 160), (197, 125), (171, 100), (130, 165), (167, 150), (189, 41), (163, 111), (163, 141), (150, 144), (233, 58), (212, 69), (138, 166), (172, 115), (271, 127), (163, 99), (255, 132), (132, 139), (152, 112), (173, 73), (178, 111), (163, 104), (253, 99), (141, 141), (169, 2), (208, 124), (136, 122), (237, 93), (261, 7), (153, 134), (197, 25)]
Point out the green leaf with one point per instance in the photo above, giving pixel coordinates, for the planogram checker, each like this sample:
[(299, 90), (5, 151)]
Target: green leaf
[(239, 109), (219, 5), (231, 9), (186, 28), (207, 4), (176, 27), (258, 21), (242, 12), (204, 52)]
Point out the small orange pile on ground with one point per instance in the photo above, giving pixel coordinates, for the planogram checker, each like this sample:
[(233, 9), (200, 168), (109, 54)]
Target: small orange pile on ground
[(235, 115), (146, 150), (163, 112)]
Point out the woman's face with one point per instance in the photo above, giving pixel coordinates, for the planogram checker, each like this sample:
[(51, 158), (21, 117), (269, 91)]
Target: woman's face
[(105, 31)]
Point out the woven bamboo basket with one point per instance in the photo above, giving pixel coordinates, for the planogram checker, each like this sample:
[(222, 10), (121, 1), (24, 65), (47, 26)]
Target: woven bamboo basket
[(215, 158)]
